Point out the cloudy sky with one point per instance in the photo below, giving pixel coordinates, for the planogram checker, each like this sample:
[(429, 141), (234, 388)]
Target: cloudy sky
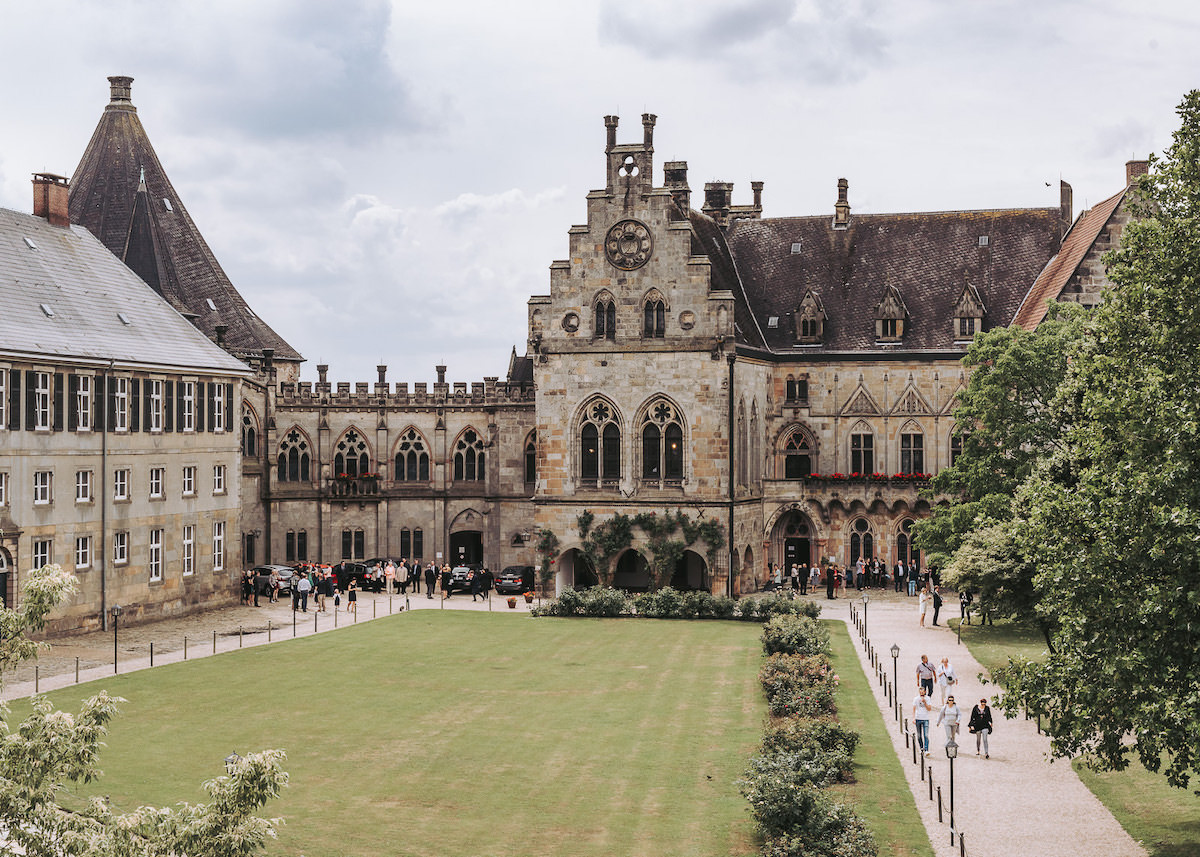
[(390, 182)]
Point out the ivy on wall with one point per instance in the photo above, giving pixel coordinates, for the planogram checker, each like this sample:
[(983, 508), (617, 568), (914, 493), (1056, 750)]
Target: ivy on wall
[(668, 536)]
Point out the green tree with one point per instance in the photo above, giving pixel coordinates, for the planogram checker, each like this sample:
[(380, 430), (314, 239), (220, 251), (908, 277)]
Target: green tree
[(1114, 513), (51, 749)]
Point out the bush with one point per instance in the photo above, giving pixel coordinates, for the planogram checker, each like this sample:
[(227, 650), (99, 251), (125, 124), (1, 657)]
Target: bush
[(663, 603), (597, 601), (821, 743), (799, 686), (762, 609), (795, 635), (838, 832)]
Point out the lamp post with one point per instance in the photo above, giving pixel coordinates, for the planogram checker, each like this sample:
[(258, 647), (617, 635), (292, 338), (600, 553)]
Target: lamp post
[(231, 763), (951, 754), (866, 599), (895, 678), (116, 615)]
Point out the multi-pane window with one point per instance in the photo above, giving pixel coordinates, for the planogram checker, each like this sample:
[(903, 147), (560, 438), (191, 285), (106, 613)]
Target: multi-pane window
[(654, 319), (218, 407), (353, 544), (662, 444), (956, 445), (418, 544), (606, 319), (157, 477), (862, 544), (187, 413), (302, 546), (43, 552), (289, 543), (120, 404), (966, 328), (83, 552), (83, 402), (249, 432), (600, 445), (294, 462), (906, 550), (912, 453), (468, 457), (121, 547), (531, 459), (83, 486), (121, 484), (43, 485), (351, 458), (218, 478), (862, 453), (189, 549), (41, 399), (155, 398), (3, 489), (797, 456), (154, 560), (796, 390), (412, 460), (218, 546), (189, 481)]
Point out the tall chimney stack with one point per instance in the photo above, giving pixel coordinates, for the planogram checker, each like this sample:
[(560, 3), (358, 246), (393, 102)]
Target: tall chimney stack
[(1135, 170), (841, 209), (1066, 205), (51, 195), (648, 120), (610, 122)]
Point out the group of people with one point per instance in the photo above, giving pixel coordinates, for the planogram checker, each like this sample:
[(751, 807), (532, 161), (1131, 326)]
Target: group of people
[(949, 715), (862, 574)]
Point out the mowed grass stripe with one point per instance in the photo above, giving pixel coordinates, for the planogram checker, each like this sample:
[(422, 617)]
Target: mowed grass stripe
[(464, 734)]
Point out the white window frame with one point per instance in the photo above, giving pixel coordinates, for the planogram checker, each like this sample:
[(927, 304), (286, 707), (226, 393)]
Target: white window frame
[(121, 547), (43, 550), (121, 483), (83, 486), (189, 549), (83, 402), (3, 399), (83, 552), (189, 480), (218, 546), (42, 391), (3, 489), (218, 479), (158, 478), (156, 405), (187, 420), (218, 406), (120, 404), (154, 556), (43, 488)]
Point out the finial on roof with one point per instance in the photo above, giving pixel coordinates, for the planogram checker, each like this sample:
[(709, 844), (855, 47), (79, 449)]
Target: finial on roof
[(141, 177), (119, 89)]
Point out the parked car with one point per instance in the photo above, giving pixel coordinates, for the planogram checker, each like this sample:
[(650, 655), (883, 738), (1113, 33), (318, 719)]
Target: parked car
[(514, 579), (460, 579), (285, 573), (352, 571)]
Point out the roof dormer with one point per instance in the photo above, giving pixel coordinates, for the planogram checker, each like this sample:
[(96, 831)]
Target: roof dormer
[(968, 314), (891, 316), (810, 320)]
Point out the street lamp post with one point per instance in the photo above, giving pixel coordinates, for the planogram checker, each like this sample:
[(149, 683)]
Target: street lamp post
[(866, 599), (116, 615), (951, 753), (895, 678)]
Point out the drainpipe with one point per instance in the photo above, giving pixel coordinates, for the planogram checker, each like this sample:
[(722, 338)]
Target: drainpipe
[(729, 577), (104, 501)]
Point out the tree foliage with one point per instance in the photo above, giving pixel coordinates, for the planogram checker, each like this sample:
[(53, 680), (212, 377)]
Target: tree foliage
[(1113, 514), (50, 750)]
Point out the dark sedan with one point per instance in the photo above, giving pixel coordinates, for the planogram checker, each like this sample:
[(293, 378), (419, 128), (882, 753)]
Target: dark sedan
[(515, 579)]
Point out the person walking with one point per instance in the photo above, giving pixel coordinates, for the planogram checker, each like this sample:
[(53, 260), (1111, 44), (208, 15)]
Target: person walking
[(352, 597), (923, 605), (304, 587), (830, 574), (946, 677), (949, 716), (965, 599), (926, 675), (430, 579), (981, 725), (922, 711), (937, 603)]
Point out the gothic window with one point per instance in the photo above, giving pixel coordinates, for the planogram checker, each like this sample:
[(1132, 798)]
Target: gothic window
[(968, 313), (351, 457), (797, 455), (906, 551), (743, 448), (810, 319), (912, 450), (755, 447), (605, 326), (599, 444), (862, 450), (249, 431), (468, 457), (796, 391), (654, 317), (662, 444), (293, 462), (531, 458), (412, 459), (890, 316), (861, 542)]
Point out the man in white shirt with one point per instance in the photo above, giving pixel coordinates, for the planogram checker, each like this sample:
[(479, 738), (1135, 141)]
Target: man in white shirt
[(922, 711)]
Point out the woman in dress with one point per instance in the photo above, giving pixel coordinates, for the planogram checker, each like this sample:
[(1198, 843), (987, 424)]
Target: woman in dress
[(352, 597), (923, 605), (946, 677)]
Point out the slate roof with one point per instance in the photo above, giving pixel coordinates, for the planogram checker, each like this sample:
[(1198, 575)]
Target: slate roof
[(121, 193), (927, 257), (708, 239), (1054, 278), (85, 287)]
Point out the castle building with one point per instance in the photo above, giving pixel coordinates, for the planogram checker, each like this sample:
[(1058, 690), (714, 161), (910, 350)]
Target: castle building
[(746, 390)]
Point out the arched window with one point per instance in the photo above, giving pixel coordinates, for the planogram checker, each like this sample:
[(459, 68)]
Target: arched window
[(654, 318), (743, 449), (861, 542), (755, 447), (906, 551), (605, 325), (797, 455), (862, 450), (293, 461), (599, 445), (912, 449), (351, 457), (249, 431), (531, 458), (412, 459), (468, 457), (662, 444)]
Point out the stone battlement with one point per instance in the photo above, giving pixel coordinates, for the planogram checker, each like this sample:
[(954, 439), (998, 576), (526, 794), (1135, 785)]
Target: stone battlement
[(490, 391)]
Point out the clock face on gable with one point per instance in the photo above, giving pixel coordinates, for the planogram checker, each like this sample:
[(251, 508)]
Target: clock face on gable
[(628, 245)]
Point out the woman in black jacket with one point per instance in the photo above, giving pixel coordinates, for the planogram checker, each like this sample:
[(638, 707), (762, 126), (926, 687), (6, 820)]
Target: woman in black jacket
[(981, 724)]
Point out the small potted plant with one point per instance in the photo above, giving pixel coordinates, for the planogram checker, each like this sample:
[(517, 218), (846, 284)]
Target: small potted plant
[(528, 597), (512, 602)]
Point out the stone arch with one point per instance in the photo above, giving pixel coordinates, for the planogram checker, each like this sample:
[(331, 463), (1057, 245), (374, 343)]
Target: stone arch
[(631, 571), (572, 570), (294, 456), (691, 573), (791, 441), (352, 453), (747, 578)]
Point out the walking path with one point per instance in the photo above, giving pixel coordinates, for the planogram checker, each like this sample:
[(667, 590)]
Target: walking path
[(1015, 804)]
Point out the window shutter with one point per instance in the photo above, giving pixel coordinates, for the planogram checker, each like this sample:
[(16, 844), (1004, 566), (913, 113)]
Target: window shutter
[(230, 425), (208, 397), (112, 407), (14, 399), (168, 408), (200, 406), (30, 388), (57, 419), (98, 401), (146, 388), (179, 404), (135, 404), (72, 402)]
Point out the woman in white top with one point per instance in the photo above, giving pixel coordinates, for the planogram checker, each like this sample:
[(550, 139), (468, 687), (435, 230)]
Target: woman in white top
[(923, 605), (946, 677), (949, 716)]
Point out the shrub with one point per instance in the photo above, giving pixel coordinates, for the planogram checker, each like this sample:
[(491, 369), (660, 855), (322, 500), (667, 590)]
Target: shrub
[(599, 601), (799, 686), (762, 609), (821, 743), (795, 635), (663, 603), (838, 832)]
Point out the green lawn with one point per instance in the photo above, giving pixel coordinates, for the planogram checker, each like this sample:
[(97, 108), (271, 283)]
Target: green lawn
[(447, 733), (1165, 820), (881, 795)]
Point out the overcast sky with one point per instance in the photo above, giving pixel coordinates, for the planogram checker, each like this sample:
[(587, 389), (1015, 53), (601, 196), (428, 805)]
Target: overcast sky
[(390, 182)]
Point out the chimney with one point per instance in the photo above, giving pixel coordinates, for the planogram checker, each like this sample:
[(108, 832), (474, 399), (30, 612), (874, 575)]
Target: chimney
[(119, 97), (648, 120), (718, 197), (1135, 170), (1066, 208), (841, 210), (382, 370), (675, 177), (441, 372), (610, 122), (222, 329), (757, 187), (50, 196), (322, 373)]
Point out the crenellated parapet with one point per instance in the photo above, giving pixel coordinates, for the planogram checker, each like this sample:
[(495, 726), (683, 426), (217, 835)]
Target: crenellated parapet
[(489, 392)]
